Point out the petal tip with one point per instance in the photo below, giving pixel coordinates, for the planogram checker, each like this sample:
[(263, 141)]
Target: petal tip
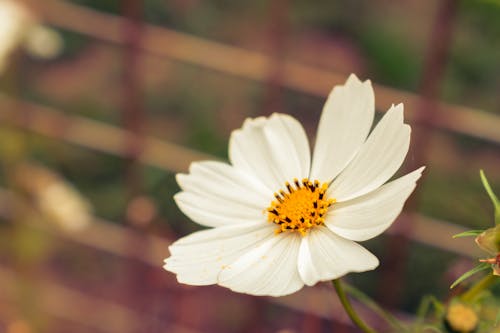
[(376, 263), (181, 177), (396, 112), (421, 170), (398, 107), (353, 78), (415, 175), (178, 197), (166, 265)]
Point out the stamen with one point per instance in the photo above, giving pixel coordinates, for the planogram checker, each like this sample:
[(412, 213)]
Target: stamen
[(302, 208)]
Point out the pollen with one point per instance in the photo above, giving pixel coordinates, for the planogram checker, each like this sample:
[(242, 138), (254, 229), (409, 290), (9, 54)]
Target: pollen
[(300, 207)]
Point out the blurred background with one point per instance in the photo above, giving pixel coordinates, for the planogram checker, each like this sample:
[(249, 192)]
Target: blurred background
[(103, 101)]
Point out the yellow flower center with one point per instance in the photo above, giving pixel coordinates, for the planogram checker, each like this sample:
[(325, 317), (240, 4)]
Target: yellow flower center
[(299, 208)]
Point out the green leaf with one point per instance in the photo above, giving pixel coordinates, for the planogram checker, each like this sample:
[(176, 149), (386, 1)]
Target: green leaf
[(493, 197), (469, 233), (482, 266)]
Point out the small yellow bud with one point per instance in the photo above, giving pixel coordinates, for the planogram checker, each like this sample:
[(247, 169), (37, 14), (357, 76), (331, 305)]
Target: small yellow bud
[(461, 317)]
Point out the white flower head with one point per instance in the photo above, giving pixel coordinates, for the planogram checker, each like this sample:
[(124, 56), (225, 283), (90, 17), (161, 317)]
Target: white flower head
[(15, 20), (54, 197), (43, 42), (19, 26), (281, 219)]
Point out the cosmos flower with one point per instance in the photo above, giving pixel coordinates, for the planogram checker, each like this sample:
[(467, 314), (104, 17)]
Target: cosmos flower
[(55, 198), (19, 27), (280, 219)]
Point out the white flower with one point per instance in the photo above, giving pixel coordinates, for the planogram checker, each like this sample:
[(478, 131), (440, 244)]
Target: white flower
[(15, 19), (43, 42), (56, 199), (281, 219), (19, 27)]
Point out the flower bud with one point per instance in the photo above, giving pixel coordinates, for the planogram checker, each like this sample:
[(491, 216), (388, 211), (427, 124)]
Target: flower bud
[(489, 240), (461, 317)]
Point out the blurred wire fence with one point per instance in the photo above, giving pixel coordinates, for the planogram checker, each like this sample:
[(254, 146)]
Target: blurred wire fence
[(125, 289)]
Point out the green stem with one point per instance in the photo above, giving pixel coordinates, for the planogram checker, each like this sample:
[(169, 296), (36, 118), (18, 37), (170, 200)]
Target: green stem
[(349, 309), (481, 285)]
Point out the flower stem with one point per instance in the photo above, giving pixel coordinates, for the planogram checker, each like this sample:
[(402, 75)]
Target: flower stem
[(482, 284), (349, 309)]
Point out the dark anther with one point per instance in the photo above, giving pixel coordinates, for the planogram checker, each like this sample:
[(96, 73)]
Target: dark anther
[(274, 211), (288, 219)]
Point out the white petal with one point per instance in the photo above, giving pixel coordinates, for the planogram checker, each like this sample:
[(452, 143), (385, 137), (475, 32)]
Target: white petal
[(368, 216), (274, 150), (343, 127), (270, 269), (211, 212), (326, 256), (249, 152), (377, 160), (221, 181), (198, 258), (288, 142)]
